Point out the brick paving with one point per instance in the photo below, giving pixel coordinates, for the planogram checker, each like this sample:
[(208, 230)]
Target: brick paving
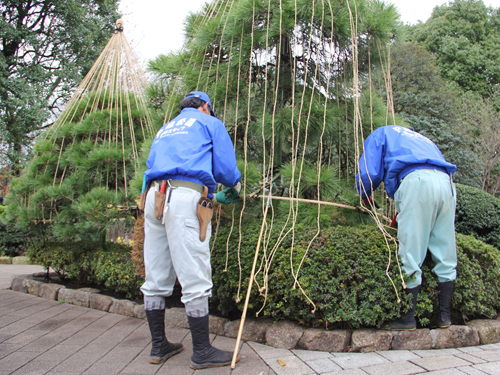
[(41, 337)]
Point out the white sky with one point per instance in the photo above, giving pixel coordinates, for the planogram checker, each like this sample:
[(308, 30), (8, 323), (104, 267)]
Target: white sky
[(153, 27)]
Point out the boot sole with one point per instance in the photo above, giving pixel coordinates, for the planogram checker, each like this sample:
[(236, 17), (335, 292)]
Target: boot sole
[(164, 359), (195, 366), (434, 327), (404, 329)]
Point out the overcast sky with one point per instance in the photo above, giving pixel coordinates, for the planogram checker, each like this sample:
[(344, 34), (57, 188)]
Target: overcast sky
[(153, 27)]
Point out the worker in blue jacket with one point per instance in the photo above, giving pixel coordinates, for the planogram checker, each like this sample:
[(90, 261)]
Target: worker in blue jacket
[(419, 179), (189, 153)]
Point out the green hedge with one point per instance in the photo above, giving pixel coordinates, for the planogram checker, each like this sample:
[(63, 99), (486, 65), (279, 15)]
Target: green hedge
[(84, 263), (344, 274), (14, 241), (478, 214)]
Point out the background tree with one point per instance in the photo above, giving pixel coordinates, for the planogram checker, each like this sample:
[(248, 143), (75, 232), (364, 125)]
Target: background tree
[(464, 36), (482, 124), (432, 106), (46, 47)]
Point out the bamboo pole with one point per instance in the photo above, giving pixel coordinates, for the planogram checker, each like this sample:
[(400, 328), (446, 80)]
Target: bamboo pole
[(324, 203), (252, 275)]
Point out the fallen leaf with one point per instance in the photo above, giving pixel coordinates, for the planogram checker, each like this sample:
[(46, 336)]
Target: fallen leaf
[(281, 362)]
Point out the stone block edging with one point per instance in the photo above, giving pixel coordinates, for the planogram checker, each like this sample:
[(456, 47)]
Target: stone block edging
[(5, 260), (14, 260), (285, 334)]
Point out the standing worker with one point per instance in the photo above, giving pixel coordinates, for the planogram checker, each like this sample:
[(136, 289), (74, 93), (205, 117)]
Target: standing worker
[(419, 179), (189, 155)]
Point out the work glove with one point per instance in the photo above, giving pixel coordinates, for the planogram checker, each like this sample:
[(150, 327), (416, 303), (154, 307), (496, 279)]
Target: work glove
[(367, 202), (227, 196)]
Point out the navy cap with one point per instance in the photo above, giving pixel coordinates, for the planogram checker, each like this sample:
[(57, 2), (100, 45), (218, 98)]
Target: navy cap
[(201, 95)]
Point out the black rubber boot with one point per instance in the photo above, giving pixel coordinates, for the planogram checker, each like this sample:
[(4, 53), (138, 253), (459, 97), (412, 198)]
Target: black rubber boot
[(204, 354), (161, 349), (407, 321), (443, 318)]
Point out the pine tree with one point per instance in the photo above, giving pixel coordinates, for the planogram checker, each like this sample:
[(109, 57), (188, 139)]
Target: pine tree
[(77, 183), (279, 71)]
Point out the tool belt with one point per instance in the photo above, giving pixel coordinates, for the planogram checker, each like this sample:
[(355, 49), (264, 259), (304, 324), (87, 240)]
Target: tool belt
[(204, 209)]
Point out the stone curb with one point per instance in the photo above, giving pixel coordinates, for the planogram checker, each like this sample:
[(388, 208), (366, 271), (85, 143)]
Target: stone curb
[(284, 335), (5, 260), (15, 260)]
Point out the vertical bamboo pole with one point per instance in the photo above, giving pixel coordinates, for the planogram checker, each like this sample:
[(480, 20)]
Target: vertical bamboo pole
[(252, 275)]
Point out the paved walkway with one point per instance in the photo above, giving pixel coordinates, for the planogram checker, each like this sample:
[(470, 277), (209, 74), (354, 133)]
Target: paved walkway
[(38, 336)]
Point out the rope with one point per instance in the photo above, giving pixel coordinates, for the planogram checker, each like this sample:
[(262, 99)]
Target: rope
[(114, 83)]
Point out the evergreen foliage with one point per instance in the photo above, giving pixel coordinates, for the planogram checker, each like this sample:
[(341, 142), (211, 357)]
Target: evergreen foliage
[(431, 106), (465, 38), (482, 125), (46, 47), (460, 113), (89, 263), (344, 275), (13, 241), (278, 72), (478, 215), (76, 186)]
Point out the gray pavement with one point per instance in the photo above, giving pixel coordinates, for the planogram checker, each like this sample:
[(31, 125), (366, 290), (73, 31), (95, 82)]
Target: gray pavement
[(38, 336)]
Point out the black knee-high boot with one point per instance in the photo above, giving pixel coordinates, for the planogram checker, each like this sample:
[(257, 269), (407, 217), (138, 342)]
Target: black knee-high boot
[(161, 349), (204, 354), (443, 317), (407, 321)]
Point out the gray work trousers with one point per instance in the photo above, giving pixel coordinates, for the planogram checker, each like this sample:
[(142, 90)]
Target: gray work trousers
[(174, 250)]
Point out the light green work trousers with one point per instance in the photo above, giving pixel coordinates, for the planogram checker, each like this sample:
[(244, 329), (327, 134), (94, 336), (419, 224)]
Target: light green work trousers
[(426, 202)]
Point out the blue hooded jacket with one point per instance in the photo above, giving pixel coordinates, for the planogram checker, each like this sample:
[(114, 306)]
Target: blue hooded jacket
[(193, 147), (392, 152)]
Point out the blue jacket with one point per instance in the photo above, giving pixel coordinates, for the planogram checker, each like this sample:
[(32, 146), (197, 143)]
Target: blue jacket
[(193, 147), (391, 152)]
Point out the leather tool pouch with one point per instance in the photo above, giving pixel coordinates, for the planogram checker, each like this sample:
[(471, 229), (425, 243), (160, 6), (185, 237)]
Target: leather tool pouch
[(142, 202), (204, 211), (159, 204)]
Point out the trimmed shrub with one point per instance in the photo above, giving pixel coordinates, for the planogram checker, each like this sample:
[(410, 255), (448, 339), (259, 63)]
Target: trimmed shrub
[(344, 275), (90, 263), (478, 214), (114, 268), (14, 241), (478, 273), (70, 260)]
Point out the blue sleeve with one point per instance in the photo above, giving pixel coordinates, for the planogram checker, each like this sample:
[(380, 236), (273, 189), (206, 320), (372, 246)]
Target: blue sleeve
[(371, 165), (224, 165)]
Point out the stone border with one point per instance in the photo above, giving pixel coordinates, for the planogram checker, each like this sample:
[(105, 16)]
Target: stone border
[(14, 260), (284, 335)]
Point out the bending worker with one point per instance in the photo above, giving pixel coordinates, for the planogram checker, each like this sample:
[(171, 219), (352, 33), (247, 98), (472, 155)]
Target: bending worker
[(419, 179), (189, 153)]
